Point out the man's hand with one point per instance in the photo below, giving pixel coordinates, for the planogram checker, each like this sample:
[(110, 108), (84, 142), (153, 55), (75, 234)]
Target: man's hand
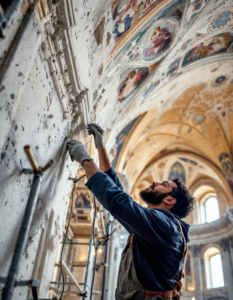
[(98, 133), (78, 152)]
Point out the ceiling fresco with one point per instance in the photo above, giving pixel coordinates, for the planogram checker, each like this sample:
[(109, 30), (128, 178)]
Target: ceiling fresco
[(172, 61)]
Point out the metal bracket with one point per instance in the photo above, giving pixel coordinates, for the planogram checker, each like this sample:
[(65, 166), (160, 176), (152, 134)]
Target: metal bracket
[(33, 283), (81, 295)]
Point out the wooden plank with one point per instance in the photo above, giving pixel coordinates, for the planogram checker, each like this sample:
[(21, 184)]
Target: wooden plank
[(78, 264), (76, 292), (80, 225), (53, 293), (79, 236), (68, 272), (56, 283), (71, 232)]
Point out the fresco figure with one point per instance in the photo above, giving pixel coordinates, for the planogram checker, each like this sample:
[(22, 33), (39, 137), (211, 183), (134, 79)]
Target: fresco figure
[(131, 82), (120, 140), (177, 170), (82, 201), (127, 16), (197, 5), (160, 40), (226, 163), (218, 44), (173, 67)]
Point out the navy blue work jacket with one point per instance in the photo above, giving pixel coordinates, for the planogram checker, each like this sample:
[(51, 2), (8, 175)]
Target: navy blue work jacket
[(157, 244)]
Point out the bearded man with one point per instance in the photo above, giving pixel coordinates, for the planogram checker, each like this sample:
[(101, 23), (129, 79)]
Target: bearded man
[(153, 260)]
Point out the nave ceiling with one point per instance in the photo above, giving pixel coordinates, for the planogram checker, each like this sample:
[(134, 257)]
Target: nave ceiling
[(162, 83)]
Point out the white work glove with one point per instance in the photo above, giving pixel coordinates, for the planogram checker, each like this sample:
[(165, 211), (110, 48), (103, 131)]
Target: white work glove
[(78, 151), (98, 133)]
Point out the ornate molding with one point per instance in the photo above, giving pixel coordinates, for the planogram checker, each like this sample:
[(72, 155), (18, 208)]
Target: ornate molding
[(57, 49)]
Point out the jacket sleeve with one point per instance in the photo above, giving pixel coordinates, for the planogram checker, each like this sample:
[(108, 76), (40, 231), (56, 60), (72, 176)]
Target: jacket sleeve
[(134, 217), (113, 175)]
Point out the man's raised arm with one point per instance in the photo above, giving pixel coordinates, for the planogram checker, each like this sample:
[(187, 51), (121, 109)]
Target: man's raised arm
[(104, 162), (129, 213)]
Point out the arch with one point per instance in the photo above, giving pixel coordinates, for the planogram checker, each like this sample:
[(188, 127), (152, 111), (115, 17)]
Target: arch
[(204, 187), (193, 156)]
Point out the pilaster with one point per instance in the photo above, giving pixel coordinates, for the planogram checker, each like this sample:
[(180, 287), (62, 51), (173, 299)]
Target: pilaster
[(197, 271), (227, 265)]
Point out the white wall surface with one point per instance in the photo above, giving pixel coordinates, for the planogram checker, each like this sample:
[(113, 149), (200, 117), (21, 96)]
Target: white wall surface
[(30, 113)]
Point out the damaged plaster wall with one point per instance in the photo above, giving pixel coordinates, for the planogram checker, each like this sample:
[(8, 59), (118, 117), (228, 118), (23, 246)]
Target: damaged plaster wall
[(31, 113)]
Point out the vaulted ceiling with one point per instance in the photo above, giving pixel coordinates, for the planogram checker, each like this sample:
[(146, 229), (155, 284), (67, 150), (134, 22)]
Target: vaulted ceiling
[(162, 83)]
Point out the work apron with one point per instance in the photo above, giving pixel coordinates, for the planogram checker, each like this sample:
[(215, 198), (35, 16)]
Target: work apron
[(128, 285)]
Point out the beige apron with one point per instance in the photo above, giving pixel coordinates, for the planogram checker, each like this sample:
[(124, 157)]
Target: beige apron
[(128, 285)]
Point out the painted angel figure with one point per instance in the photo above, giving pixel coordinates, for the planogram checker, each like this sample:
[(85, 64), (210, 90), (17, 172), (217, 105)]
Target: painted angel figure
[(160, 39), (131, 82), (128, 85)]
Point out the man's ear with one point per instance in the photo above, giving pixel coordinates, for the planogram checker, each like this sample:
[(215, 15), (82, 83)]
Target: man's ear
[(169, 200)]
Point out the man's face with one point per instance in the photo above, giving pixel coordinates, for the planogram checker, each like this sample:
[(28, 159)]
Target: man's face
[(156, 192)]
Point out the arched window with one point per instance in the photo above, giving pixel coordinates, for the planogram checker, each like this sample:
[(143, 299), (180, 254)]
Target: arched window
[(211, 210), (213, 267), (216, 271)]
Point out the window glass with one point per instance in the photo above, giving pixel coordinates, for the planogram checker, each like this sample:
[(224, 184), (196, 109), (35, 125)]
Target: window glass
[(211, 210), (216, 271)]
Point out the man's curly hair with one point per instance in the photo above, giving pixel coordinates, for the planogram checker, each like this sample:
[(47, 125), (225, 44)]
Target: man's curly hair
[(185, 201)]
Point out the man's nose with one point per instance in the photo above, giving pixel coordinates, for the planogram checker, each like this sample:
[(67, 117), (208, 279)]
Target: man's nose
[(155, 183)]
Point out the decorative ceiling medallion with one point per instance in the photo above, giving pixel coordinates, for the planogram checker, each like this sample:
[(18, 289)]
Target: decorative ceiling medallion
[(222, 20), (198, 119), (157, 40), (219, 80), (131, 78)]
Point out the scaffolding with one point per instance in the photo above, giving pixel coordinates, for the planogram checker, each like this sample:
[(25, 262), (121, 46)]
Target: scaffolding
[(86, 234)]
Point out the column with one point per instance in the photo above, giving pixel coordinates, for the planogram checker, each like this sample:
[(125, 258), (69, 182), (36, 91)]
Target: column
[(227, 266), (197, 271)]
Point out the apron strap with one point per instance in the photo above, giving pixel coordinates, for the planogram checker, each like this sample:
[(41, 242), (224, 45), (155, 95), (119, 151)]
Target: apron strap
[(131, 241)]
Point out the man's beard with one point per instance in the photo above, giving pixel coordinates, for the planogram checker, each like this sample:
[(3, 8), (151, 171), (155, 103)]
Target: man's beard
[(152, 197)]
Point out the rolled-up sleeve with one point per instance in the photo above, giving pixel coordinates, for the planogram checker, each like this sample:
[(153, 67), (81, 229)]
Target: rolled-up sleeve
[(113, 175), (134, 217)]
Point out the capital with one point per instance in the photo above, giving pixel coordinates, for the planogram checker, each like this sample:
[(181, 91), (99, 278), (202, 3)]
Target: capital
[(224, 243), (196, 250)]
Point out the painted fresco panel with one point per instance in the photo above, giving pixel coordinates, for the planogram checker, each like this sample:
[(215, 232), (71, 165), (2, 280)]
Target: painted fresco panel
[(223, 19), (211, 46), (177, 170), (128, 13), (172, 69), (157, 39), (196, 5), (131, 82), (82, 199), (130, 51), (226, 163), (120, 140)]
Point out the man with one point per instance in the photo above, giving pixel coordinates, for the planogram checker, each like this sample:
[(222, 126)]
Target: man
[(152, 262)]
